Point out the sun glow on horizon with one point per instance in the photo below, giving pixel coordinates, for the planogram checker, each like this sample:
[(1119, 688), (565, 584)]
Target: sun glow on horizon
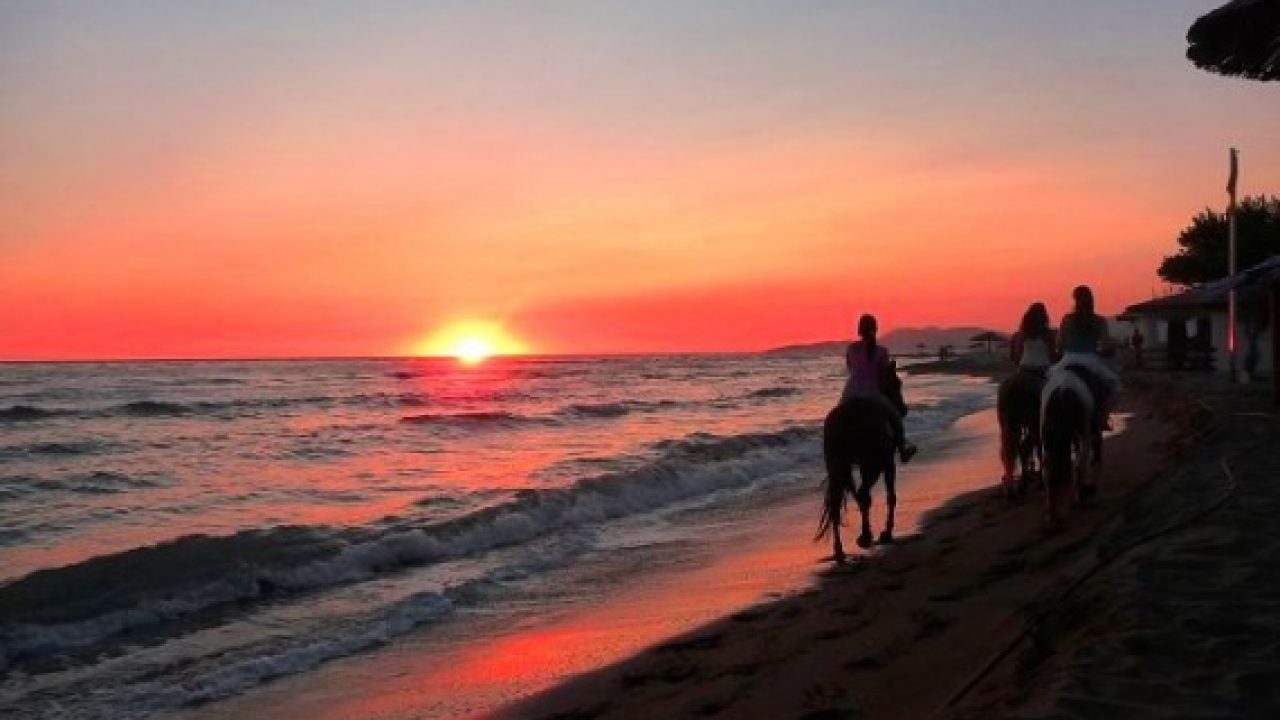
[(472, 349), (470, 342)]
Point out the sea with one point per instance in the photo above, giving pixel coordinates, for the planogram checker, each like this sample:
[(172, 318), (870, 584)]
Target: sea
[(174, 533)]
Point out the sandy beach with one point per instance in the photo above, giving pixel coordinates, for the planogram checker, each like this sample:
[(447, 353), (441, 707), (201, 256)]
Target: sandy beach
[(1179, 619), (894, 635)]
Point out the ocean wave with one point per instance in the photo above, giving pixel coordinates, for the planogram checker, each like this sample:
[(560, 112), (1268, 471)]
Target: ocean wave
[(152, 685), (152, 408), (86, 603), (614, 409), (57, 447), (470, 418), (89, 603), (26, 413), (166, 408), (98, 482), (774, 392)]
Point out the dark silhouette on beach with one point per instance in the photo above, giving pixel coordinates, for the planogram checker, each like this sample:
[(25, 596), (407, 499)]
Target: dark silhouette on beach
[(1033, 349), (863, 430), (1075, 406)]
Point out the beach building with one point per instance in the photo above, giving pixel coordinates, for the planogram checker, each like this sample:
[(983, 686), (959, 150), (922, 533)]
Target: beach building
[(1188, 330)]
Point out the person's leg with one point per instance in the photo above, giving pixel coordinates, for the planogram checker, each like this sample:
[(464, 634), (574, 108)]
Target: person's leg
[(906, 450), (1111, 395)]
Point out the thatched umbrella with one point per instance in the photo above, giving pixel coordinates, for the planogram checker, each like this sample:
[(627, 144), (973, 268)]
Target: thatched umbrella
[(1240, 38), (988, 337)]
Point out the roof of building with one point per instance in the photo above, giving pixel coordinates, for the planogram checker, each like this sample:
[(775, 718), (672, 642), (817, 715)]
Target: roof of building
[(1210, 294)]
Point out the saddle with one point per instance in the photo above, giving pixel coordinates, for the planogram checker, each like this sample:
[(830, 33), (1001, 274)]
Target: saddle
[(1095, 384), (1097, 388)]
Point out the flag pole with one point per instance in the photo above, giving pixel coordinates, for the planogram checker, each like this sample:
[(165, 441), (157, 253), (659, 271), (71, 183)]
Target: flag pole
[(1231, 265)]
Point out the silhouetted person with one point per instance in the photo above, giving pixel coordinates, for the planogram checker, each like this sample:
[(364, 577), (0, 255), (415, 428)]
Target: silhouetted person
[(869, 371), (1032, 349), (1083, 336), (1035, 344), (1136, 341)]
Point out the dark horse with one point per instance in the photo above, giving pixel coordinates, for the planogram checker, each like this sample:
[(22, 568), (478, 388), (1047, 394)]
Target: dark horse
[(1018, 409), (857, 433), (1072, 437)]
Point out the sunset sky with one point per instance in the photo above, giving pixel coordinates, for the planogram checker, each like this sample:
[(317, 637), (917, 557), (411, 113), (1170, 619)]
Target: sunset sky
[(234, 179)]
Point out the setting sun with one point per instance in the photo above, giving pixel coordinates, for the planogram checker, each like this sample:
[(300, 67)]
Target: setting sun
[(472, 349), (470, 341)]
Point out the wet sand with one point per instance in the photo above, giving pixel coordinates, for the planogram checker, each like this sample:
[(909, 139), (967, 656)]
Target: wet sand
[(896, 635)]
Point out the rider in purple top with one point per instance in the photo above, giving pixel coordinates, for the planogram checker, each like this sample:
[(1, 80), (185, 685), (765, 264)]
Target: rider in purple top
[(869, 367)]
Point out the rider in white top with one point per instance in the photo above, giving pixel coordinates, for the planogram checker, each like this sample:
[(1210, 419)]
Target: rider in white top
[(1036, 355), (1032, 347), (1083, 337)]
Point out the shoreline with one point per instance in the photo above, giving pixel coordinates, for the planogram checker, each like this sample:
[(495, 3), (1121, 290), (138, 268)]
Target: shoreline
[(450, 672), (892, 637)]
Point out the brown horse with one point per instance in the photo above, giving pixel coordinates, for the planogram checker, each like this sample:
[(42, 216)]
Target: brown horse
[(856, 433), (1018, 410)]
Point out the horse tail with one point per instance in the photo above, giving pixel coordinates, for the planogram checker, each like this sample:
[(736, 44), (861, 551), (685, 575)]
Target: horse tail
[(835, 502), (1062, 416), (838, 485)]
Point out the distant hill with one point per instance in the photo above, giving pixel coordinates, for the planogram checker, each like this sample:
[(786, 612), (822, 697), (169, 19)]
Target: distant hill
[(901, 341)]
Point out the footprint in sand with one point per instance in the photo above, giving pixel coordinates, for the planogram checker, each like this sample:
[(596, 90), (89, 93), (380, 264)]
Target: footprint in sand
[(712, 707), (671, 674), (743, 669), (865, 662), (952, 595), (706, 642), (588, 713), (751, 615), (828, 701), (1003, 570), (929, 624)]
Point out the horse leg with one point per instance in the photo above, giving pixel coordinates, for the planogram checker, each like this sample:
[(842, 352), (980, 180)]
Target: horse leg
[(1089, 461), (836, 506), (891, 499), (1008, 450), (837, 547), (1026, 458), (1056, 472), (863, 496)]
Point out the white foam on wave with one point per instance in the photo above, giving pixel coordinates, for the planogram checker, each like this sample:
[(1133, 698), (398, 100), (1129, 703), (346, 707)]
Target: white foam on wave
[(190, 671)]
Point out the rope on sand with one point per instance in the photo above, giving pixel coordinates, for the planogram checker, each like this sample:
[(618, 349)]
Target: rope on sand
[(1097, 567)]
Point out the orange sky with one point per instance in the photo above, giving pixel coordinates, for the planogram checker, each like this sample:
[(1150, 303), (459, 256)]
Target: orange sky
[(310, 179)]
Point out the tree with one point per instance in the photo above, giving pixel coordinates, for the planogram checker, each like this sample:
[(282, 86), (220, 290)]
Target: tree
[(1203, 253)]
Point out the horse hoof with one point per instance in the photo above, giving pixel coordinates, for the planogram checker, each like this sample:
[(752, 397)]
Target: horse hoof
[(886, 538), (864, 540)]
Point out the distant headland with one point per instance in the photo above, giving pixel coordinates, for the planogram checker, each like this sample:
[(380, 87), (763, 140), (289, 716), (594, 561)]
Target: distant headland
[(901, 341)]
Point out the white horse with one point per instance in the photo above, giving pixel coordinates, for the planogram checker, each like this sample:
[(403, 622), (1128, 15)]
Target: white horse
[(1071, 438)]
